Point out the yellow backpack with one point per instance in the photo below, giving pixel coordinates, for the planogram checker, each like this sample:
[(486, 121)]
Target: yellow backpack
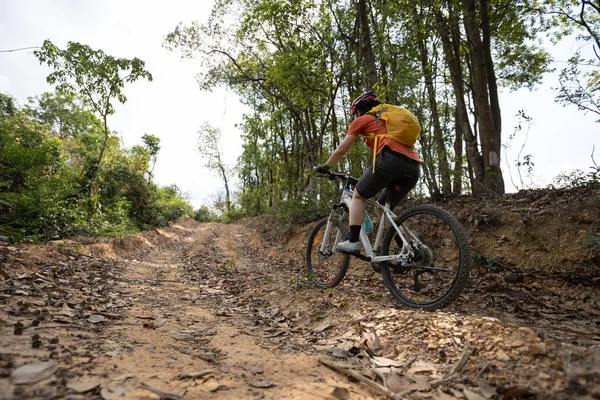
[(402, 126)]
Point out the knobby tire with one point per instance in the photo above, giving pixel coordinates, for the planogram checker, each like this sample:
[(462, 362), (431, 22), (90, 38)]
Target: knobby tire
[(461, 274), (316, 263)]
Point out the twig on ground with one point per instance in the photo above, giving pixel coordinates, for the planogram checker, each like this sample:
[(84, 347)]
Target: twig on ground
[(483, 368), (196, 375), (359, 377), (468, 350), (380, 375)]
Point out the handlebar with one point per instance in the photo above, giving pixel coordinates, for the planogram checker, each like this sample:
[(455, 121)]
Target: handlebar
[(335, 175)]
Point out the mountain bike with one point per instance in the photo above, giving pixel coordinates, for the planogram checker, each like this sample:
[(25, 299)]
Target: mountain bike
[(424, 255)]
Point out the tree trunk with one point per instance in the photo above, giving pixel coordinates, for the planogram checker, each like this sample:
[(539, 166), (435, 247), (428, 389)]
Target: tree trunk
[(491, 74), (458, 158), (490, 136), (224, 176), (450, 36), (366, 50), (438, 137)]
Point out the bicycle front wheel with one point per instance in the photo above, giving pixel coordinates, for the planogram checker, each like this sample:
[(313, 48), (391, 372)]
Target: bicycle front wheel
[(326, 267), (438, 269)]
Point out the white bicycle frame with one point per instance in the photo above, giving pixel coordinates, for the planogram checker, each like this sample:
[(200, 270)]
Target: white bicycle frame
[(405, 254)]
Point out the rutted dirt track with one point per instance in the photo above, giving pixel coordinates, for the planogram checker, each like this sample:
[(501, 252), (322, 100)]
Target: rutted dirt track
[(217, 311)]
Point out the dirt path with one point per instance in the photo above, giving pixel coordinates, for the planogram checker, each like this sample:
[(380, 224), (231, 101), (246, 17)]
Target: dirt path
[(214, 311), (198, 334)]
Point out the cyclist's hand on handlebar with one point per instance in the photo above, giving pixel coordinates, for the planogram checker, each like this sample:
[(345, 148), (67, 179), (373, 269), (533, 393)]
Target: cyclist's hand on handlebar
[(323, 169)]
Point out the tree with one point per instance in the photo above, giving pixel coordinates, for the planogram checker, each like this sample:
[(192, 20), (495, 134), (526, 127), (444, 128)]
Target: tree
[(65, 113), (152, 144), (7, 105), (298, 63), (99, 78), (210, 148), (365, 50), (579, 82)]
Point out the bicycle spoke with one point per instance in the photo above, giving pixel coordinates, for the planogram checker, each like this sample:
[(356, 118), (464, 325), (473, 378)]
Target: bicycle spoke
[(326, 267), (434, 275)]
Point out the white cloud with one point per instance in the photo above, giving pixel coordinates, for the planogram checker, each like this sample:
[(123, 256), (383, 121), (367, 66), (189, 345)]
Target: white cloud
[(4, 83)]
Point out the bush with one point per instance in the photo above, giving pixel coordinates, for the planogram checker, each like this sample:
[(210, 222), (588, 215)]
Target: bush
[(296, 210), (205, 214)]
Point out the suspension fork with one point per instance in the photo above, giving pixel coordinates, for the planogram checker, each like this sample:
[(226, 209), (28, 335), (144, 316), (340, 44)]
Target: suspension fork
[(329, 225)]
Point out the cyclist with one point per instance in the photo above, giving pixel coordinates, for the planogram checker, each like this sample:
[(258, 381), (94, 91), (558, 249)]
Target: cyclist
[(397, 166)]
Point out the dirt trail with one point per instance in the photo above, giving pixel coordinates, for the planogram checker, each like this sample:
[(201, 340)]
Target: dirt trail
[(225, 312), (201, 335), (174, 332)]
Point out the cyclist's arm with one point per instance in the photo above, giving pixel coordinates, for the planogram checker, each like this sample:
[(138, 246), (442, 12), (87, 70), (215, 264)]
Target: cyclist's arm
[(341, 150)]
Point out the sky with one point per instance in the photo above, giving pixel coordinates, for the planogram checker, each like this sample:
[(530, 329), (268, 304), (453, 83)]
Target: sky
[(173, 108)]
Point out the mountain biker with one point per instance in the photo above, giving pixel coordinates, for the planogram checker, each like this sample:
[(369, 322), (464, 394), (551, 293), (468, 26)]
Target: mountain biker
[(397, 166)]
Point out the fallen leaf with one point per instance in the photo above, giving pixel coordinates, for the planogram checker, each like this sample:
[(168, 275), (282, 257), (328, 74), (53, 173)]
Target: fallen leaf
[(34, 372), (66, 310), (83, 386), (211, 386), (323, 326), (472, 395), (319, 315), (122, 378), (253, 368), (537, 349), (262, 383), (486, 389), (397, 383), (341, 353), (386, 362), (94, 319), (113, 393), (423, 368), (439, 395), (341, 393), (165, 394)]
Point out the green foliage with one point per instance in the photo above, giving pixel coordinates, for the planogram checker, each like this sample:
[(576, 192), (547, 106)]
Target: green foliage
[(95, 76), (578, 177), (98, 77), (295, 210), (45, 150), (592, 242), (297, 65), (69, 248), (209, 146), (579, 81), (303, 281), (205, 214), (7, 106), (487, 261)]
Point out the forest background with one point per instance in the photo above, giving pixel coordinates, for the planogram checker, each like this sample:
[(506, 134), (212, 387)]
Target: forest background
[(294, 65)]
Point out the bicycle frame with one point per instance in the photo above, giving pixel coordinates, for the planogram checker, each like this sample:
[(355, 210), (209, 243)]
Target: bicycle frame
[(371, 251)]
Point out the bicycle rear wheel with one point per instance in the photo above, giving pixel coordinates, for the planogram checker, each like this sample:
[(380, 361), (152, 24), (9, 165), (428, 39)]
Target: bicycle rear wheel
[(327, 268), (439, 268)]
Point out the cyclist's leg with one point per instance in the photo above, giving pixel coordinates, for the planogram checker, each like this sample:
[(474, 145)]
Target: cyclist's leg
[(369, 184)]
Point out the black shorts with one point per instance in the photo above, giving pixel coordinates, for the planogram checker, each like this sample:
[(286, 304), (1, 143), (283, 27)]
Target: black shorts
[(393, 171)]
